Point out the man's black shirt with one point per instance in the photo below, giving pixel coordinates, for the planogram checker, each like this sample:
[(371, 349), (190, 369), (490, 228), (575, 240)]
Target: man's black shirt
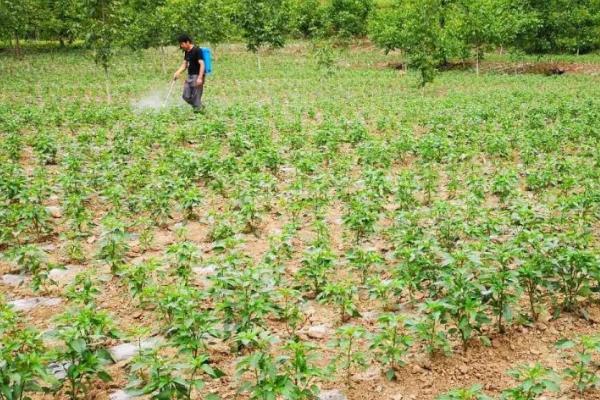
[(192, 57)]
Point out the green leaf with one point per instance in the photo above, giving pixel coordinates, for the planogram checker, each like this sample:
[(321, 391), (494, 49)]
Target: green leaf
[(390, 374), (486, 341), (104, 376), (565, 344), (79, 345)]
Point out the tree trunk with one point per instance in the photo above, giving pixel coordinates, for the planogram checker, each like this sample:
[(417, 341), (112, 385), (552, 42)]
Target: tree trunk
[(17, 46), (107, 83), (162, 59), (477, 62)]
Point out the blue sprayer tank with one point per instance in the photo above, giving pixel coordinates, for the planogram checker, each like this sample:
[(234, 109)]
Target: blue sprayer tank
[(207, 57)]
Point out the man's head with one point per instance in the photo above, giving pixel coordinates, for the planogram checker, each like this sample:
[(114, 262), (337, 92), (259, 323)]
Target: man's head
[(185, 42)]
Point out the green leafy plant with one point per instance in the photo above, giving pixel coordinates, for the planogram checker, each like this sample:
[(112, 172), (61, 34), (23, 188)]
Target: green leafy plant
[(533, 381), (33, 260), (46, 148), (139, 277), (289, 309), (362, 260), (240, 298), (385, 290), (84, 332), (465, 307), (300, 366), (429, 182), (189, 198), (161, 377), (391, 343), (531, 275), (315, 265), (342, 295), (23, 359), (575, 270), (84, 289), (347, 343), (581, 371), (429, 329), (501, 283), (113, 246), (405, 191), (361, 216), (184, 256), (472, 393), (267, 377), (504, 185)]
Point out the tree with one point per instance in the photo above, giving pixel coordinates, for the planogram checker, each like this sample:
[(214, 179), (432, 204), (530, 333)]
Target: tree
[(559, 25), (307, 18), (581, 26), (65, 22), (348, 18), (103, 32), (148, 26), (263, 22), (18, 18), (418, 28), (209, 20), (478, 23)]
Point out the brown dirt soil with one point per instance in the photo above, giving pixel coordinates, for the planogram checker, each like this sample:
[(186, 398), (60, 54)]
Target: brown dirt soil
[(541, 68), (421, 378)]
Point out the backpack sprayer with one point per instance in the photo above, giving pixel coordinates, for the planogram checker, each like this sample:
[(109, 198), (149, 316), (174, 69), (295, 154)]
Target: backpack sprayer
[(207, 57)]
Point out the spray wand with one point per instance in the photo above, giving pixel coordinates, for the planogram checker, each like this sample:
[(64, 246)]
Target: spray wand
[(169, 93)]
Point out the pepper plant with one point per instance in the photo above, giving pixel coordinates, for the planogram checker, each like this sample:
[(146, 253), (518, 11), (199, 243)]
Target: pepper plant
[(391, 343), (113, 247), (581, 371), (362, 260), (23, 359), (534, 380), (84, 332), (349, 355), (343, 296), (474, 392)]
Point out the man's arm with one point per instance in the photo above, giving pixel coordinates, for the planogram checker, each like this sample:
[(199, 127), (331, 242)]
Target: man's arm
[(200, 79), (182, 68)]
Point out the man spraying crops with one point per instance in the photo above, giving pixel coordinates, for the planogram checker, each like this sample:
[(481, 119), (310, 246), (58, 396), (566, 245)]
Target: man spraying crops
[(193, 61)]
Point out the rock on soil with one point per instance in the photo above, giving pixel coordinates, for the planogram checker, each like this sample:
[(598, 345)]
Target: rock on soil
[(54, 211), (120, 395), (34, 302), (59, 369), (318, 331), (371, 374), (125, 351), (370, 316), (334, 394), (205, 271), (12, 280), (64, 276)]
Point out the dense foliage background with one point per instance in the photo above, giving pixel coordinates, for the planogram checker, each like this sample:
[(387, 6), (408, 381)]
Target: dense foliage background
[(436, 28)]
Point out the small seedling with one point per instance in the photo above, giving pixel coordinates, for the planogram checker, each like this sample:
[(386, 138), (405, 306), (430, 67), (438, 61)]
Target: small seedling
[(582, 372), (533, 381), (347, 343), (472, 393), (391, 343)]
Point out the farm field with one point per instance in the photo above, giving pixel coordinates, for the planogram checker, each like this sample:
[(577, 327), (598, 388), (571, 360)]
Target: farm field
[(341, 230)]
